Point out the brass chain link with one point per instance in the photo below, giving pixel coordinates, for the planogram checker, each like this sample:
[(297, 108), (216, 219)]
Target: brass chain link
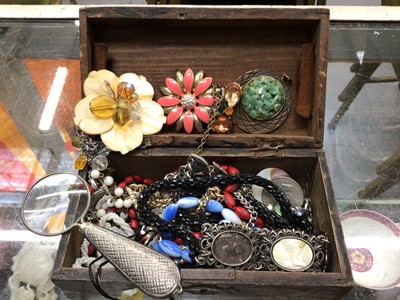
[(217, 96), (160, 200), (211, 193), (216, 194)]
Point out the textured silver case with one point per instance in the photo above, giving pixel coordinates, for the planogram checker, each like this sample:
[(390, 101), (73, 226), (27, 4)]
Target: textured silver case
[(153, 273)]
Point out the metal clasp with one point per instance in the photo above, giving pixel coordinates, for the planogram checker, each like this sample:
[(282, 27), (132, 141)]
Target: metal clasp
[(198, 165)]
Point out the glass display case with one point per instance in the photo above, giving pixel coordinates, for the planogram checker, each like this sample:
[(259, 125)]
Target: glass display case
[(40, 84)]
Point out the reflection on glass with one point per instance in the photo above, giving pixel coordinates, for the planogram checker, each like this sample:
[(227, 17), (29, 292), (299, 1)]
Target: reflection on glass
[(55, 203)]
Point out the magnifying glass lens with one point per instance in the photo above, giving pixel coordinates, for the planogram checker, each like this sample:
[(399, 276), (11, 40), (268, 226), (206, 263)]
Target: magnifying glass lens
[(55, 203)]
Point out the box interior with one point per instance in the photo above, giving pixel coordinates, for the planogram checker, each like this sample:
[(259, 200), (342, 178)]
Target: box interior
[(156, 46), (305, 170)]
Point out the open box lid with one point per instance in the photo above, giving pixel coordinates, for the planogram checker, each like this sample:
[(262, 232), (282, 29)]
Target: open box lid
[(225, 42)]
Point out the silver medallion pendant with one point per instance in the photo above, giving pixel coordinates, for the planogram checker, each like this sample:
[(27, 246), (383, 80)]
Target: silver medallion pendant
[(232, 248), (229, 245)]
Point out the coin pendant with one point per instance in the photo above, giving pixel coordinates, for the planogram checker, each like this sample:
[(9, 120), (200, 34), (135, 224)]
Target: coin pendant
[(291, 189), (232, 248)]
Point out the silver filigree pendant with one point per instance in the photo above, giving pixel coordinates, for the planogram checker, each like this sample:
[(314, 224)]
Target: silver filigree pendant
[(228, 245), (293, 250)]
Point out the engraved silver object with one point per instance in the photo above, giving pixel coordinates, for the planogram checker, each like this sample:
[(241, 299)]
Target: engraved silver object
[(195, 166), (153, 273)]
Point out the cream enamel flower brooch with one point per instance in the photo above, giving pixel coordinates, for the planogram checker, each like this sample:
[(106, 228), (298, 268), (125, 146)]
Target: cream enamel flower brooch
[(120, 109)]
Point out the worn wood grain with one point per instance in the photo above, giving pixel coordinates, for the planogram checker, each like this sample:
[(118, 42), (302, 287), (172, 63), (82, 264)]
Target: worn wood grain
[(100, 56), (322, 182), (304, 103), (321, 69)]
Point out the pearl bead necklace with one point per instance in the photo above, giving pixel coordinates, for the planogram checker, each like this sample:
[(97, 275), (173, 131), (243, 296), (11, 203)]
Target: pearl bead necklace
[(103, 200), (133, 195), (85, 248), (85, 259), (117, 196), (126, 230)]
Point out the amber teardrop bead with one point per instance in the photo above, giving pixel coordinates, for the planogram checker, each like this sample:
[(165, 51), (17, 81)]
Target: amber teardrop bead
[(81, 162), (228, 111), (233, 92)]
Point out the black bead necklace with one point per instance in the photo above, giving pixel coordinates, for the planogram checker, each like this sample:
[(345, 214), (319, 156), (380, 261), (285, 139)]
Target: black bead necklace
[(184, 228)]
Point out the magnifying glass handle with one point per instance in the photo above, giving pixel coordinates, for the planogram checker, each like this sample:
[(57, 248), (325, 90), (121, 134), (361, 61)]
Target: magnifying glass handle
[(153, 273)]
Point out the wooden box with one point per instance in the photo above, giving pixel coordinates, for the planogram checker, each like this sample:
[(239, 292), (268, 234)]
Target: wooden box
[(225, 42)]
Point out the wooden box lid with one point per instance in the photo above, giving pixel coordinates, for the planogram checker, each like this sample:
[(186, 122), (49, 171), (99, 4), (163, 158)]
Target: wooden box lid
[(225, 42)]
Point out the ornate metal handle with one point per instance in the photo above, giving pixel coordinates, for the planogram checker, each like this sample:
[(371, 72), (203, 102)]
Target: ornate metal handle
[(153, 273)]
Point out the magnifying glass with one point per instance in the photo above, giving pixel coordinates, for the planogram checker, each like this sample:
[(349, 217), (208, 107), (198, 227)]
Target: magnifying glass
[(60, 201)]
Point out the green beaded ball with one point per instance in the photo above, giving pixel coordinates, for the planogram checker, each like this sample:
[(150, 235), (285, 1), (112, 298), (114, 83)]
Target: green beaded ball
[(263, 97)]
